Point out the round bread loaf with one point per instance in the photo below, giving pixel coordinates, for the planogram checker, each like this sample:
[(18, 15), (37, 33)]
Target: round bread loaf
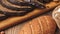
[(40, 25)]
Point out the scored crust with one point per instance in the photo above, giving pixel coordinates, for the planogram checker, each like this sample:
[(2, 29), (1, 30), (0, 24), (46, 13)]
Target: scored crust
[(40, 25)]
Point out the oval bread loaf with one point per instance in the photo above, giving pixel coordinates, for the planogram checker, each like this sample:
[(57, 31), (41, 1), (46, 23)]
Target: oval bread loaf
[(40, 25)]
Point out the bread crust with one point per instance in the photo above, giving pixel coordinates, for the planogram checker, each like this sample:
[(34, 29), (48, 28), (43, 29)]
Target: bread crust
[(40, 25)]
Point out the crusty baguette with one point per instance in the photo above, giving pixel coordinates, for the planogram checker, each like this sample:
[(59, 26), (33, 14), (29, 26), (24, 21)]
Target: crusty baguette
[(15, 20), (40, 25)]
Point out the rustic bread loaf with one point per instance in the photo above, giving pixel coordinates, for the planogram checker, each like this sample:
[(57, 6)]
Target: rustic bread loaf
[(40, 25)]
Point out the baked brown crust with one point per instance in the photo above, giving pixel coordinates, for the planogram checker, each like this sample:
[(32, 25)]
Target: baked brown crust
[(40, 25)]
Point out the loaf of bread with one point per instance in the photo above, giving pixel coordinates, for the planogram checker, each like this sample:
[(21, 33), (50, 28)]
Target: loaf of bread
[(40, 25)]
